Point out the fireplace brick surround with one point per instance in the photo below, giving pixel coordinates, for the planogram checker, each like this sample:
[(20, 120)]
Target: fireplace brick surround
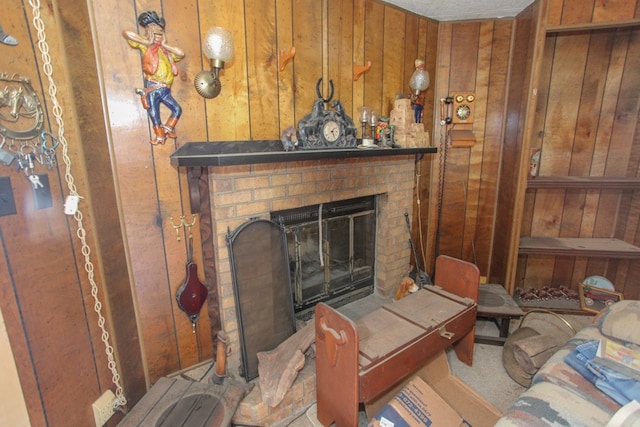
[(240, 192)]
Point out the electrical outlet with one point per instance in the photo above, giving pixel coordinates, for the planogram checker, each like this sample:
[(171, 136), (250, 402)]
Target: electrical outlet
[(103, 408)]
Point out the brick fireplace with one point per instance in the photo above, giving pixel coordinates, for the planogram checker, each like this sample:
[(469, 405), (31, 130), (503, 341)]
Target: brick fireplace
[(235, 193)]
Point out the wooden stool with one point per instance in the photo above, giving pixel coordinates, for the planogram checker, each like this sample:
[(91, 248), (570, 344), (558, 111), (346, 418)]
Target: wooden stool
[(495, 303)]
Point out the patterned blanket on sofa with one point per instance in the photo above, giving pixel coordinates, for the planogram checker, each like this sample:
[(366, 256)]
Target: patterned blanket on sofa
[(561, 396)]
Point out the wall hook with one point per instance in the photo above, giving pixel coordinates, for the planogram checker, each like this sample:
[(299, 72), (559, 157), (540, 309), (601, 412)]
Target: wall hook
[(194, 217), (359, 70), (284, 57), (178, 226)]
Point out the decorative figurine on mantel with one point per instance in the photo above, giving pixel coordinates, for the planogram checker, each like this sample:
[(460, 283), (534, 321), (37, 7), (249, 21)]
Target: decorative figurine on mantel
[(407, 133), (385, 133), (324, 129), (289, 139), (159, 67)]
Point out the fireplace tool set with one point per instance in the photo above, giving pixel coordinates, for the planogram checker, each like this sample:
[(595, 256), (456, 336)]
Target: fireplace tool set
[(418, 275)]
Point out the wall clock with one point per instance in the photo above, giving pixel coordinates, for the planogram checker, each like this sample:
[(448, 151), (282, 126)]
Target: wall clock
[(324, 128), (463, 106)]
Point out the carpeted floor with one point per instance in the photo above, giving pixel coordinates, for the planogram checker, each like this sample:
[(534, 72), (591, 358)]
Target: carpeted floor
[(487, 375)]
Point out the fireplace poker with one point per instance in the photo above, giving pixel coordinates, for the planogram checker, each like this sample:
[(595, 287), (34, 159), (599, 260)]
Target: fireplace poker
[(420, 277)]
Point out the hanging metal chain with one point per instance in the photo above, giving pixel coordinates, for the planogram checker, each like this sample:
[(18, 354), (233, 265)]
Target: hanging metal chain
[(444, 136), (38, 23)]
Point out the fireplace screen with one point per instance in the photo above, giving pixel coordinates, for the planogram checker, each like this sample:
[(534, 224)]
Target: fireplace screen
[(262, 290), (331, 249)]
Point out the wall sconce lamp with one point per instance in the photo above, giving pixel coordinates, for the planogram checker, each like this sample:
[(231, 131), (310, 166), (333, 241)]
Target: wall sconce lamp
[(419, 81), (218, 47)]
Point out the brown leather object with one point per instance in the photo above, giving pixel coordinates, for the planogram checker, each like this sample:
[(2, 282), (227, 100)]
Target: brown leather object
[(531, 353)]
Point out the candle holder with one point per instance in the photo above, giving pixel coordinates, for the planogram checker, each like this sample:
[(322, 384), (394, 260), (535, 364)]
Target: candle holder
[(373, 122), (367, 130)]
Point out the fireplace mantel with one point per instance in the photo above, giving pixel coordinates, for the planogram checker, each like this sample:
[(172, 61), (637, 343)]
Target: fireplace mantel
[(226, 153)]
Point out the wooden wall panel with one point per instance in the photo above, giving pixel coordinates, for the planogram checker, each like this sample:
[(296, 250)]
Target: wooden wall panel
[(308, 39), (392, 60), (114, 288), (359, 56), (613, 10), (508, 216), (262, 59), (137, 161), (580, 12), (427, 47), (45, 294), (340, 52), (192, 348), (373, 50), (284, 35), (473, 57), (463, 56), (414, 48), (495, 94)]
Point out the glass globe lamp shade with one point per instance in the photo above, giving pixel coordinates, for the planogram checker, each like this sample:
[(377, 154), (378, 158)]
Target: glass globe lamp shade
[(218, 46), (419, 81)]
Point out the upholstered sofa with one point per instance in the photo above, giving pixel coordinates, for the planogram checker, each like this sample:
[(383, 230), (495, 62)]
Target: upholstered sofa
[(561, 396)]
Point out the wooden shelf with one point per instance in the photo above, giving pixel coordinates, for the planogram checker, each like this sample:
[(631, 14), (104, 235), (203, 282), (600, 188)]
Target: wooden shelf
[(592, 26), (587, 247), (585, 182)]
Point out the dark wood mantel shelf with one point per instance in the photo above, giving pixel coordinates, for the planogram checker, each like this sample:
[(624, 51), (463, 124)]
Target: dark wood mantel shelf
[(226, 153)]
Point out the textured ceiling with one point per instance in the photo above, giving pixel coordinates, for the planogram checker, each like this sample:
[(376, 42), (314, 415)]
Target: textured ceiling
[(459, 10)]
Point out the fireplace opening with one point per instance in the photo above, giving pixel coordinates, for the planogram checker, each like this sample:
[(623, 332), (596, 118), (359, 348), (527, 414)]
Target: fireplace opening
[(331, 250)]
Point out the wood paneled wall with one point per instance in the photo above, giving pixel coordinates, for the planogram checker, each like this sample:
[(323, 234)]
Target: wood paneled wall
[(473, 57), (132, 194)]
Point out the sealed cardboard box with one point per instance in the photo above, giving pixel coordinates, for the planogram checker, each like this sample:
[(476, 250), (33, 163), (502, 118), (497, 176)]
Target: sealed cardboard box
[(447, 399), (416, 405)]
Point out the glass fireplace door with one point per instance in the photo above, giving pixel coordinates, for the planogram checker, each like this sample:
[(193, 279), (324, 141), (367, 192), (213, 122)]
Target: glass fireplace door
[(331, 257)]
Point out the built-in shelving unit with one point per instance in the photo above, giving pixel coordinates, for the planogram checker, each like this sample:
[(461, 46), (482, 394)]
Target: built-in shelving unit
[(575, 246), (575, 114), (584, 182)]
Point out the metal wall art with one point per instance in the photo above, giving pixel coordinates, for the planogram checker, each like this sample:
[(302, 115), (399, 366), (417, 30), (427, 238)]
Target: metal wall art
[(21, 115), (24, 140)]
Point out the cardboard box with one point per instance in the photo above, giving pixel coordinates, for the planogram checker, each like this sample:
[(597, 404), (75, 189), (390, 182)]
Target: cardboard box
[(432, 397), (416, 405)]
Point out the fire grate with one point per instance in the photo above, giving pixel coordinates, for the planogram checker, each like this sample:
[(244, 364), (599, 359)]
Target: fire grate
[(262, 288)]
